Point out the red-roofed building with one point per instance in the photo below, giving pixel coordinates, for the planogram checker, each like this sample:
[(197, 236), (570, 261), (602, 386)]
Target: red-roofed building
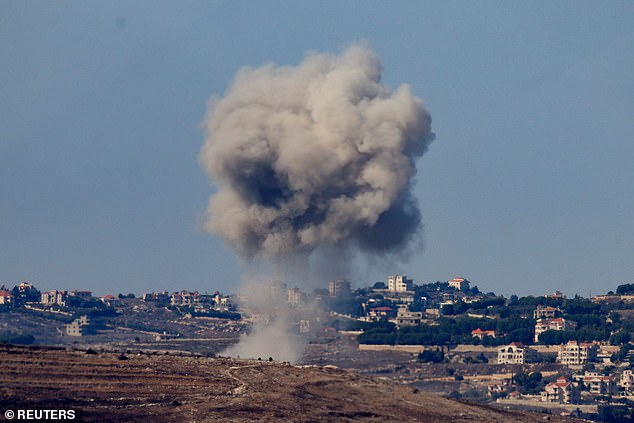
[(561, 391), (558, 323), (6, 297), (480, 334), (599, 384), (109, 300), (460, 284)]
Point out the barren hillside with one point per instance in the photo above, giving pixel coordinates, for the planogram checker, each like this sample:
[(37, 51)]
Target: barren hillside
[(142, 387)]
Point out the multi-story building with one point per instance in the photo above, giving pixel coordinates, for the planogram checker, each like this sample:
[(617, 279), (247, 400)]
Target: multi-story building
[(626, 383), (547, 312), (338, 288), (295, 296), (516, 353), (599, 384), (404, 317), (399, 283), (79, 327), (542, 325), (185, 299), (576, 354), (54, 297), (460, 284), (561, 391)]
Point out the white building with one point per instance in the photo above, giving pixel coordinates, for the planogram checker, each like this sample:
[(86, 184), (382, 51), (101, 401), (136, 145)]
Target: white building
[(460, 284), (562, 391), (576, 354), (542, 325), (399, 283), (516, 353)]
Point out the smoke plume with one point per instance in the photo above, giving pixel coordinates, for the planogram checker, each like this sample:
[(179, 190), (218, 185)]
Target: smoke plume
[(319, 154)]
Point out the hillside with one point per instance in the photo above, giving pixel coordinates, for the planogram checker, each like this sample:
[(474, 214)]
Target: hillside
[(108, 386)]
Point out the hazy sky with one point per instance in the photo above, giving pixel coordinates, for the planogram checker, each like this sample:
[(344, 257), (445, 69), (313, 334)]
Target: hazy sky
[(527, 188)]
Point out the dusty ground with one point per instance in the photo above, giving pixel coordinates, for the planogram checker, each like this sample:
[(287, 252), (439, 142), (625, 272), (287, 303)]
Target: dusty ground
[(161, 388)]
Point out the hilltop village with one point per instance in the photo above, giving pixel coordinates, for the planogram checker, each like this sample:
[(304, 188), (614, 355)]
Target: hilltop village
[(548, 353)]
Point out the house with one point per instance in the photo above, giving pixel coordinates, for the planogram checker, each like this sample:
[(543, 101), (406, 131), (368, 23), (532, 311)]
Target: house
[(460, 284), (557, 295), (54, 297), (542, 312), (576, 353), (160, 297), (84, 295), (626, 383), (185, 299), (599, 384), (404, 317), (223, 302), (109, 300), (79, 327), (480, 334), (25, 286), (562, 392), (516, 353), (542, 325), (6, 297), (399, 283), (380, 313)]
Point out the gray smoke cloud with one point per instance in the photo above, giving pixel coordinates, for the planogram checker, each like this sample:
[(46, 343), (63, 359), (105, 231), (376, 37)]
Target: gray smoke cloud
[(319, 154)]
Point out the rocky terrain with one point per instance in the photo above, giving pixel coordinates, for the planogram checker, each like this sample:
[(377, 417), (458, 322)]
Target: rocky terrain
[(108, 386)]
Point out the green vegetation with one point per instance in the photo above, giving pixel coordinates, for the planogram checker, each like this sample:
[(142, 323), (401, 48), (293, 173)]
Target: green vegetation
[(16, 338), (431, 356)]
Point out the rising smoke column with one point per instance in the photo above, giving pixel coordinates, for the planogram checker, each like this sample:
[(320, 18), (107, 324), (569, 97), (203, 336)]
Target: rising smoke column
[(319, 154)]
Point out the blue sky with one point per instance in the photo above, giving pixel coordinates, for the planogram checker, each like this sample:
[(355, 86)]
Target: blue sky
[(527, 188)]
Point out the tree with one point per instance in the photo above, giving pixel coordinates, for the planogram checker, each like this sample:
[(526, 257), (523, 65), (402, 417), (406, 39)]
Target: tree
[(624, 289)]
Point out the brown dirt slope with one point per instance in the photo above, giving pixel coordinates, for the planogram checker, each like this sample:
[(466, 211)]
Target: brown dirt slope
[(163, 388)]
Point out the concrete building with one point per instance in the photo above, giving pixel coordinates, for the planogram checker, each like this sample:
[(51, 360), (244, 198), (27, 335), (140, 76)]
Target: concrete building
[(481, 334), (542, 325), (562, 392), (460, 284), (516, 353), (404, 317), (185, 299), (79, 327), (84, 295), (399, 283), (626, 382), (542, 312), (598, 384), (6, 297), (339, 288), (576, 354), (54, 297), (295, 296)]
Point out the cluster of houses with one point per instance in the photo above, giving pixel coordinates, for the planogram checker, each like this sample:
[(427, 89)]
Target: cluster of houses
[(569, 390)]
